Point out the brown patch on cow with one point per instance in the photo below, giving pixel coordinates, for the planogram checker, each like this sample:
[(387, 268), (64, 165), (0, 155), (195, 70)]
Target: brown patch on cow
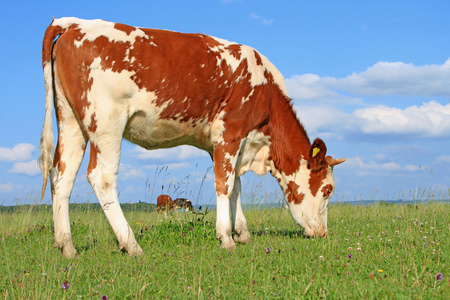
[(57, 162), (292, 193), (327, 190), (93, 126), (73, 70), (95, 151), (316, 179), (125, 28), (235, 50), (223, 167), (258, 58), (289, 141), (50, 34)]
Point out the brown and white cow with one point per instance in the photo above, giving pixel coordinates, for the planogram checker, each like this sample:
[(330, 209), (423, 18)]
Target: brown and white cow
[(164, 203), (162, 89)]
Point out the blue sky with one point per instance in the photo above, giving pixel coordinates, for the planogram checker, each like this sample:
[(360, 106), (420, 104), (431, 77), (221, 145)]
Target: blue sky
[(370, 78)]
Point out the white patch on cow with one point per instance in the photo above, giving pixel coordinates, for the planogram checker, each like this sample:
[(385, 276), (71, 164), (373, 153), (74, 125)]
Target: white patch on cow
[(256, 71), (91, 28), (277, 76), (218, 128), (253, 154), (223, 223)]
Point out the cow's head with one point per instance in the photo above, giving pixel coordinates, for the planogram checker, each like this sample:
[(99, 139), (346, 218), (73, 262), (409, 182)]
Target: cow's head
[(308, 190)]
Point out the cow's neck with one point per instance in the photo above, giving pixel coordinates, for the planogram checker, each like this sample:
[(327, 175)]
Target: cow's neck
[(289, 141)]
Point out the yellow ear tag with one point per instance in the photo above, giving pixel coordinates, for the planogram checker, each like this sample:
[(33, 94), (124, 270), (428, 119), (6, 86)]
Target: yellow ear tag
[(315, 151)]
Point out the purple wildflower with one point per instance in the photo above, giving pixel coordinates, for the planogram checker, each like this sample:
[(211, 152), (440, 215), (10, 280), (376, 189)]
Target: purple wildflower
[(191, 229), (267, 250), (165, 253), (65, 285), (104, 297), (349, 256), (439, 276)]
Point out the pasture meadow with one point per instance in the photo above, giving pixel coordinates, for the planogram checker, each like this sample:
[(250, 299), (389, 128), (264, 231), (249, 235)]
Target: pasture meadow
[(371, 252)]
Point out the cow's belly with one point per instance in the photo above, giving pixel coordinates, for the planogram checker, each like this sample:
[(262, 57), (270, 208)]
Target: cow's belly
[(151, 133)]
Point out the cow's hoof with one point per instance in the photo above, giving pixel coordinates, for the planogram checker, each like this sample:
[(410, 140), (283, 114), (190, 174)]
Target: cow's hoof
[(229, 244), (69, 251), (133, 250), (243, 238)]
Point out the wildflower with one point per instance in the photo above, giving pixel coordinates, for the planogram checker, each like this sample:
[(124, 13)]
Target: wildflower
[(65, 285), (379, 270), (104, 297), (349, 256), (349, 248), (358, 249), (275, 294), (321, 257), (191, 229), (189, 287), (439, 276), (165, 253), (267, 250)]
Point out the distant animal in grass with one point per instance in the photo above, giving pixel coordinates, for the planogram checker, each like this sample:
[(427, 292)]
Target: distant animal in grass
[(181, 203), (164, 203)]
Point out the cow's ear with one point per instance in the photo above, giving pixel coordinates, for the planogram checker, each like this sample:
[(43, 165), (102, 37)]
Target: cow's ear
[(317, 154)]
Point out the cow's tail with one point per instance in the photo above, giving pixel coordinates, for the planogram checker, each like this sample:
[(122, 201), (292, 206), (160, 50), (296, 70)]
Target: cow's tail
[(46, 146)]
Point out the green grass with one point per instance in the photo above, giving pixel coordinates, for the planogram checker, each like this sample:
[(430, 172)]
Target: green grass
[(396, 252)]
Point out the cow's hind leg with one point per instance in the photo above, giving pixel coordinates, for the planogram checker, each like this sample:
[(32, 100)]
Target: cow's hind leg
[(239, 223), (102, 175), (69, 153)]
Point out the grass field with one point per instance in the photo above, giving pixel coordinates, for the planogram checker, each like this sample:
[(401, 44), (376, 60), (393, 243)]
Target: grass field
[(371, 252)]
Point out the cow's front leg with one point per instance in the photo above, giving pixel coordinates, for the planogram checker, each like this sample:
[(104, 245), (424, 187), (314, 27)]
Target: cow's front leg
[(223, 224), (239, 223)]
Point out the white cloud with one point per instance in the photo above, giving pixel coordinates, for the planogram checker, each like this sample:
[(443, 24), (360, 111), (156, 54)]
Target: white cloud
[(381, 79), (19, 152), (430, 120), (443, 158), (129, 172), (29, 168), (398, 78), (313, 87), (324, 119), (178, 153), (358, 164), (6, 187), (261, 20)]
